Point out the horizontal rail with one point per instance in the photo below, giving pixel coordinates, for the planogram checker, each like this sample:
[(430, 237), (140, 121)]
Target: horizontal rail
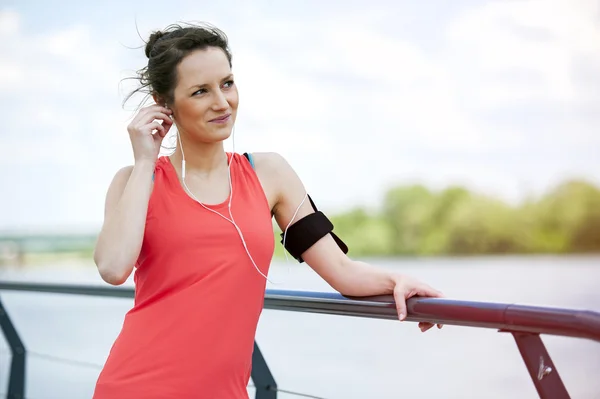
[(501, 316), (525, 323)]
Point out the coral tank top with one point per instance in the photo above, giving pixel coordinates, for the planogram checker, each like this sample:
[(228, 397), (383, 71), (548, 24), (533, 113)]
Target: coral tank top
[(198, 297)]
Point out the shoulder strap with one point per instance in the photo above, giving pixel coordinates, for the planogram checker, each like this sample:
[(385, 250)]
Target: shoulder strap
[(250, 159)]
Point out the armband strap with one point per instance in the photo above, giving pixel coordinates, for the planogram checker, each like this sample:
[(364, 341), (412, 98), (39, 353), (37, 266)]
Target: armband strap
[(307, 231)]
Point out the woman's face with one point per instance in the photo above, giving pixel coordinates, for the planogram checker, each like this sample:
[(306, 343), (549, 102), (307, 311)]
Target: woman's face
[(205, 98)]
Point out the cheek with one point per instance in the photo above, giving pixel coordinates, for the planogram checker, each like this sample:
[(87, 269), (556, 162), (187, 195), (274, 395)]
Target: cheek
[(191, 110), (233, 98)]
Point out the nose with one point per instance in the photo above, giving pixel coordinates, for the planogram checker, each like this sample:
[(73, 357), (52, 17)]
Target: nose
[(220, 101)]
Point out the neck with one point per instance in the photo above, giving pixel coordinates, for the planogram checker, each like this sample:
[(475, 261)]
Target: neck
[(200, 158)]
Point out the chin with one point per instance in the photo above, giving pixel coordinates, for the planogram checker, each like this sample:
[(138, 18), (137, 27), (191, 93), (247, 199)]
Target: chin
[(219, 135), (214, 134)]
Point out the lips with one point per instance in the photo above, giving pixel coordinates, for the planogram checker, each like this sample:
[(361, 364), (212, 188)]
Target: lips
[(221, 119)]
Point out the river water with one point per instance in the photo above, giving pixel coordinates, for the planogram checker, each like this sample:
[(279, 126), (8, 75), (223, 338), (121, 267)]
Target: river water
[(334, 356)]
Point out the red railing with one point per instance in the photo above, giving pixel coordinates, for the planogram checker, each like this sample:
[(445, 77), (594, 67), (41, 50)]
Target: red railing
[(525, 323)]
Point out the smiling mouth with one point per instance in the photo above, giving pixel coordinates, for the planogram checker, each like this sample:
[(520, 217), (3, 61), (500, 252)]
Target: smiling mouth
[(221, 119)]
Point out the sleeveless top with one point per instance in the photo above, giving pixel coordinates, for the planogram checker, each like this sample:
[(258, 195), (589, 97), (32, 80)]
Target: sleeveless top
[(198, 297)]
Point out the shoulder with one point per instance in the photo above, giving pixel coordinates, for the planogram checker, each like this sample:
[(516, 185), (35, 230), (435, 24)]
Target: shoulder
[(121, 176), (124, 172), (116, 187), (278, 177), (274, 170), (271, 165)]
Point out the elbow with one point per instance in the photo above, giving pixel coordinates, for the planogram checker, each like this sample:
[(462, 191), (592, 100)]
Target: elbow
[(340, 286), (111, 273), (341, 280), (112, 277), (345, 291)]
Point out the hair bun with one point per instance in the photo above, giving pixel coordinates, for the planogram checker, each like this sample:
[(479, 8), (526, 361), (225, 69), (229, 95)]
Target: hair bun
[(152, 41)]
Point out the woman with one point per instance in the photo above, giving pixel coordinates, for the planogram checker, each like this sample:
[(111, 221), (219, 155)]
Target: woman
[(197, 227)]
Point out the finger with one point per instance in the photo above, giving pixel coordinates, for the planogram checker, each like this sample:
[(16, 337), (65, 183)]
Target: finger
[(166, 125), (159, 136), (425, 290), (428, 325), (138, 124), (400, 304), (142, 119), (156, 116), (155, 107), (145, 113), (161, 133), (158, 127)]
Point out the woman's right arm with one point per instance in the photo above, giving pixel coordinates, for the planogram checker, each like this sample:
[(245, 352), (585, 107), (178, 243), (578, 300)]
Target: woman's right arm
[(120, 240)]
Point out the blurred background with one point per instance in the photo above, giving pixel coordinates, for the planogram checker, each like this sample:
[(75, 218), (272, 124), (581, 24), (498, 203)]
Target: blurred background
[(453, 140)]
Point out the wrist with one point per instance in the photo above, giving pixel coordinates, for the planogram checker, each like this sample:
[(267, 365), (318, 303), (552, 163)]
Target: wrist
[(394, 280), (144, 164), (143, 168)]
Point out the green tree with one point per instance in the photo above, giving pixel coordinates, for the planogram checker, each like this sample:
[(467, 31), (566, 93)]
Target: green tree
[(568, 219), (481, 225), (365, 234), (410, 211), (416, 221)]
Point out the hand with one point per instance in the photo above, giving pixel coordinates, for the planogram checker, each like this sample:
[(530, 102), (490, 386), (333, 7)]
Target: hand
[(146, 132), (407, 287)]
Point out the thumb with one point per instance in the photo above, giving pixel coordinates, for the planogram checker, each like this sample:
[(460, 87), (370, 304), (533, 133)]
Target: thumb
[(166, 126), (400, 304), (161, 133), (159, 136)]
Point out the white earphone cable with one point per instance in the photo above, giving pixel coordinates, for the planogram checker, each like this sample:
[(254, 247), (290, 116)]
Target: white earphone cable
[(231, 219)]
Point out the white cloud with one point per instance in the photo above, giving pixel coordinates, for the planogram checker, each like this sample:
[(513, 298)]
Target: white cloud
[(504, 58), (58, 84), (545, 38), (352, 106), (60, 90), (9, 23), (10, 73)]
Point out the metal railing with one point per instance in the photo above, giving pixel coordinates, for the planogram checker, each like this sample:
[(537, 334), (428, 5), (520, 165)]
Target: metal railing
[(525, 323)]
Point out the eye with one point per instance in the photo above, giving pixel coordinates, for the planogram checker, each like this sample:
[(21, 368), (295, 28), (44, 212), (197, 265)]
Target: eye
[(201, 91), (228, 84)]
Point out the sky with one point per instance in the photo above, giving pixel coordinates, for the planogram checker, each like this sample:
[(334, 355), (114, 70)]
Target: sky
[(502, 97)]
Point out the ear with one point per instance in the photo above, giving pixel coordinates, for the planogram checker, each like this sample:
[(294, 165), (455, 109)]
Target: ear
[(159, 100)]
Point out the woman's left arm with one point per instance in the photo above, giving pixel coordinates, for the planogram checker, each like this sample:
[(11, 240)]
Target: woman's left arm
[(348, 277)]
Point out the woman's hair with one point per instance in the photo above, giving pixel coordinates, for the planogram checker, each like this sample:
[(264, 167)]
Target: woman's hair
[(166, 49)]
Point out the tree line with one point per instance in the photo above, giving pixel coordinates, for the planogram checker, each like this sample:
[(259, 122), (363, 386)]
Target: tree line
[(414, 220)]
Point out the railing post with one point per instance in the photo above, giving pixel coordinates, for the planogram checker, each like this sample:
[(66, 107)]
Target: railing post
[(266, 387), (16, 381), (543, 373)]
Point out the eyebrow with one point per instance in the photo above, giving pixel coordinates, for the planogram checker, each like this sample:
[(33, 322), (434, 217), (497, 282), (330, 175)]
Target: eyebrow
[(200, 86)]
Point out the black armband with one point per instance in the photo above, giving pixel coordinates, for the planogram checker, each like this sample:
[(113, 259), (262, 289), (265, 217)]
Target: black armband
[(307, 231)]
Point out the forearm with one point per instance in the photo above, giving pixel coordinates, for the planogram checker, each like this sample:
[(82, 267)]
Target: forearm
[(120, 240), (361, 279)]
